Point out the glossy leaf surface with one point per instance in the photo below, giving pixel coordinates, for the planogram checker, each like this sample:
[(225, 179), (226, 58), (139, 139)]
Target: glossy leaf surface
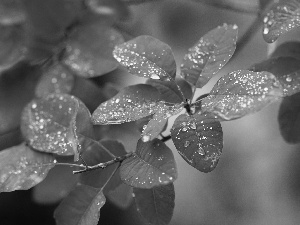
[(209, 55), (55, 80), (289, 119), (242, 92), (145, 56), (81, 207), (199, 140), (281, 18), (151, 165), (58, 124), (156, 205), (22, 168), (131, 103)]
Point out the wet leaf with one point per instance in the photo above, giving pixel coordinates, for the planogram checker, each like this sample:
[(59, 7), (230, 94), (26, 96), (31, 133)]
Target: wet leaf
[(156, 205), (151, 165), (286, 70), (11, 12), (89, 49), (209, 55), (81, 207), (157, 124), (199, 140), (145, 56), (185, 87), (22, 168), (131, 103), (287, 49), (281, 18), (242, 92), (12, 45), (58, 124), (55, 79), (289, 119)]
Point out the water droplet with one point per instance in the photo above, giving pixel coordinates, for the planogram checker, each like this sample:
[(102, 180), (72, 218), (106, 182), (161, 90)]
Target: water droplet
[(266, 30), (193, 126), (146, 138), (289, 79), (154, 76), (200, 149), (186, 144)]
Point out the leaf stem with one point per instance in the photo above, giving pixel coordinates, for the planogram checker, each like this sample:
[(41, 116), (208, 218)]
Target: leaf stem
[(105, 164), (71, 165), (165, 138)]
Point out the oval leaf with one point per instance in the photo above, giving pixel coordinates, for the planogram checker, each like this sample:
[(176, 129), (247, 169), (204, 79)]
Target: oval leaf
[(58, 124), (287, 49), (281, 18), (121, 196), (55, 80), (209, 55), (156, 205), (22, 168), (151, 165), (81, 207), (131, 103), (89, 50), (242, 92), (145, 56), (289, 119), (199, 140)]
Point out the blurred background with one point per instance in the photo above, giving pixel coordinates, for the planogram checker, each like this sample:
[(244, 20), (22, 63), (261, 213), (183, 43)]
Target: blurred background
[(257, 180)]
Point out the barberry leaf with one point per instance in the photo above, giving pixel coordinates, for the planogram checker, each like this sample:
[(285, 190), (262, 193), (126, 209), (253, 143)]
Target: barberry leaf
[(145, 56), (58, 123), (199, 140), (22, 168), (157, 124), (89, 49), (156, 205), (81, 207), (289, 118), (287, 49), (131, 103), (242, 92), (151, 165), (11, 12), (281, 18), (209, 55), (56, 79), (286, 70)]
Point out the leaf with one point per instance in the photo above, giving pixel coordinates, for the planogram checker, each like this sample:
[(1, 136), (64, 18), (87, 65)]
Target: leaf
[(281, 18), (146, 56), (209, 55), (199, 140), (131, 103), (151, 165), (286, 70), (11, 12), (156, 205), (289, 119), (12, 45), (55, 79), (287, 49), (58, 123), (81, 207), (157, 124), (89, 49), (22, 168), (121, 196), (242, 92)]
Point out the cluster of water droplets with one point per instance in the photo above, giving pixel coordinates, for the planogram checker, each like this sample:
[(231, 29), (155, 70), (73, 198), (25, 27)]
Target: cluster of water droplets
[(290, 83)]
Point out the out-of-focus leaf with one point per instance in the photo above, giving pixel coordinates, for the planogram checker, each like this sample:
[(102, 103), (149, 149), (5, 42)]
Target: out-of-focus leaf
[(199, 140), (151, 165), (209, 55), (81, 207), (157, 124), (286, 70), (156, 205), (11, 12), (289, 118), (121, 196), (59, 124), (281, 18), (55, 80), (287, 49), (242, 92), (131, 103), (89, 49), (145, 56), (22, 168), (12, 45)]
